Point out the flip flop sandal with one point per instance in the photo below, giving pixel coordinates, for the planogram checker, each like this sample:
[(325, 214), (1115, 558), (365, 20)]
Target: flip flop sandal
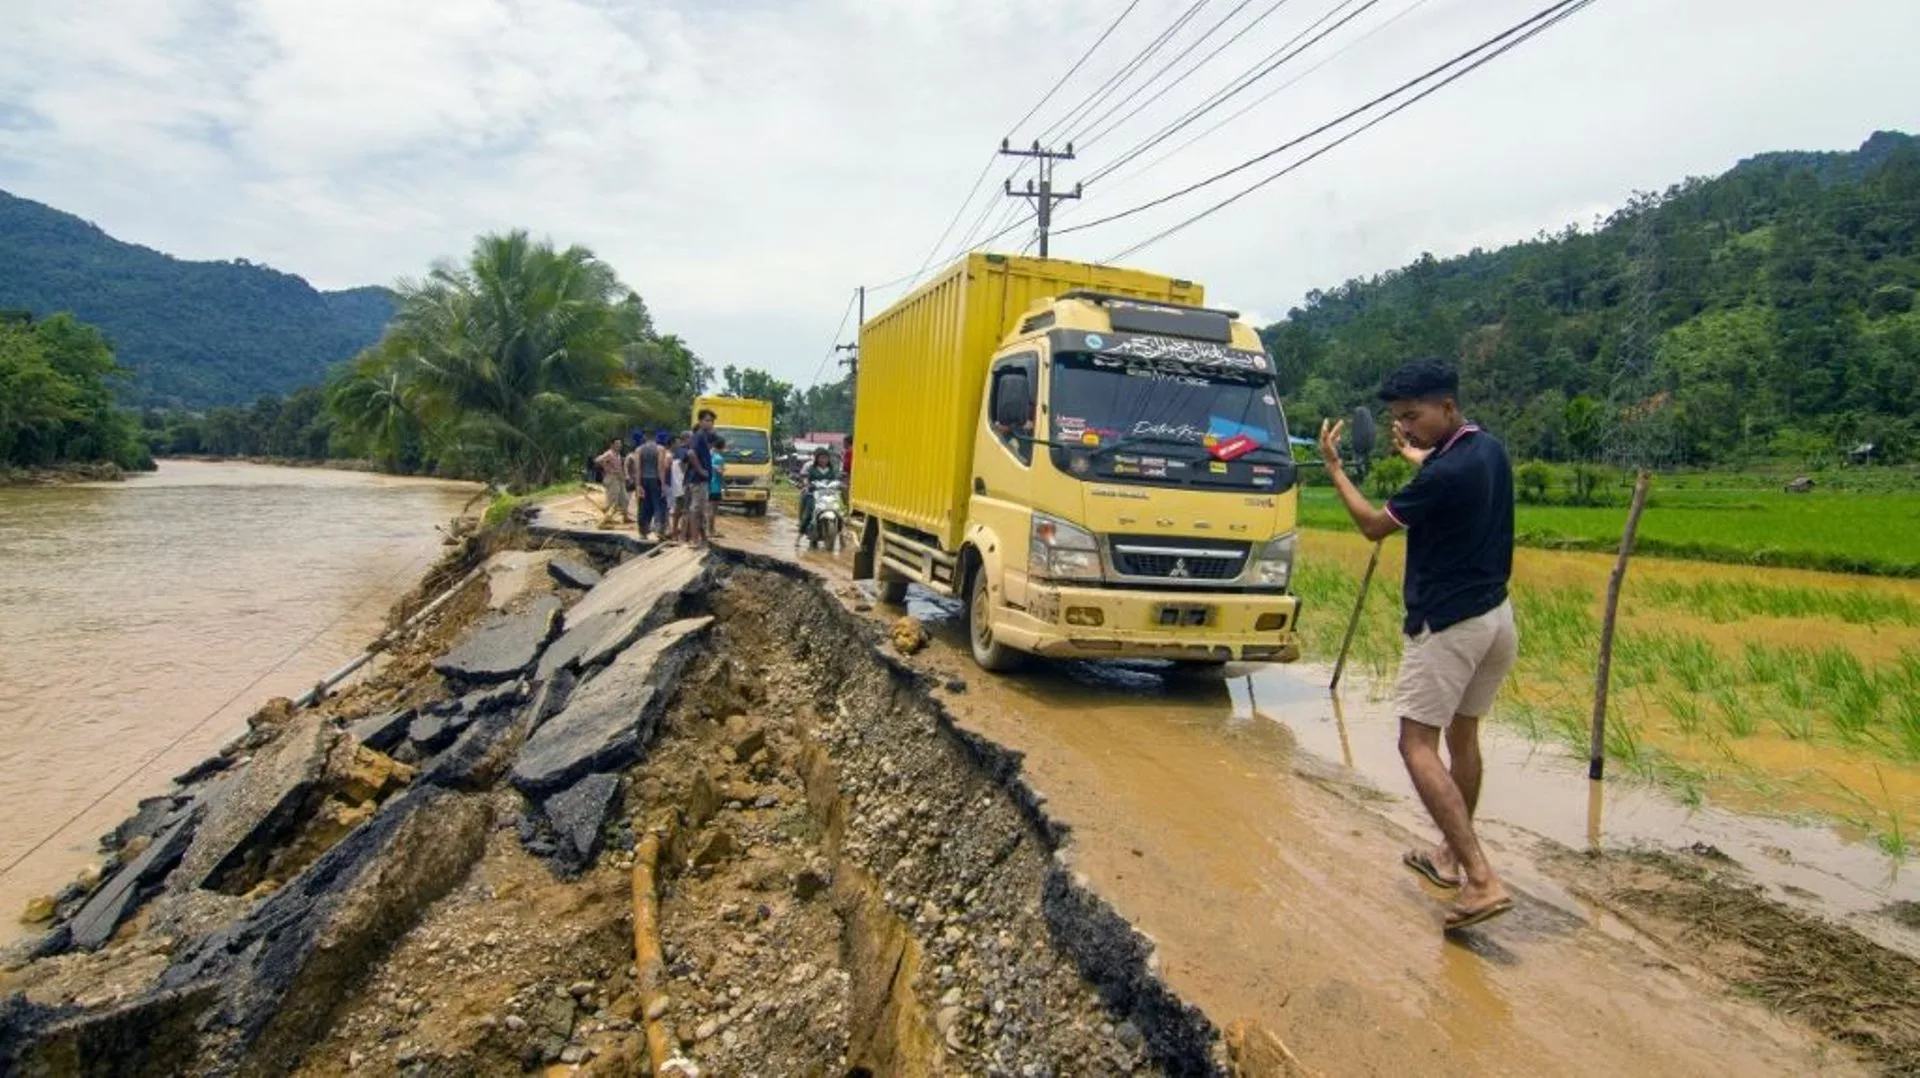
[(1422, 862), (1458, 918)]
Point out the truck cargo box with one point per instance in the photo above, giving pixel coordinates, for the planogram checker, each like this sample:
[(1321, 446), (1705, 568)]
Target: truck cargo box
[(923, 366)]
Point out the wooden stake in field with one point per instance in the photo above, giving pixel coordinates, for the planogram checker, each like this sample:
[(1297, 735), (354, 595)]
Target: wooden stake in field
[(1597, 748), (1353, 621)]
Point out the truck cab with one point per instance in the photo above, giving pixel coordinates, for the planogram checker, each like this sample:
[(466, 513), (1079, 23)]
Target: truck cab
[(747, 425), (1093, 460), (1135, 489)]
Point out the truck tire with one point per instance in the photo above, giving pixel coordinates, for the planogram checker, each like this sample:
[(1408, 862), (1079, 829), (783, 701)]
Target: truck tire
[(992, 656)]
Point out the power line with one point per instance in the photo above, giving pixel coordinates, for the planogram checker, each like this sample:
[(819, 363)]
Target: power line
[(1220, 97), (1343, 117), (1062, 81), (852, 297), (1275, 92), (1114, 81), (975, 188), (1552, 16), (1191, 70)]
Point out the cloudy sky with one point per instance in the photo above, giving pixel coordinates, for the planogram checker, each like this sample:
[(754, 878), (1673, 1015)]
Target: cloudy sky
[(745, 163)]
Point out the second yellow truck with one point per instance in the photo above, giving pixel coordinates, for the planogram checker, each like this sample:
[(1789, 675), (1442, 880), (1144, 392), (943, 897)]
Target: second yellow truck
[(1092, 459)]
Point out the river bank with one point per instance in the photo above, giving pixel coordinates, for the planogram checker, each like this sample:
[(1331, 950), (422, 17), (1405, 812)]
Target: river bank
[(142, 621), (96, 472)]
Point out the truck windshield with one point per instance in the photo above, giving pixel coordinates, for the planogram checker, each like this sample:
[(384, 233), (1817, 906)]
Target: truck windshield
[(1120, 422), (745, 445)]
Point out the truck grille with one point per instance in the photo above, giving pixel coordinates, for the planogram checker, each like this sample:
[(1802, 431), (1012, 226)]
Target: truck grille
[(1178, 559), (737, 480)]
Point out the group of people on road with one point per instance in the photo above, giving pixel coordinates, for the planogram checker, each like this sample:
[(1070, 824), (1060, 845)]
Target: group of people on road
[(676, 479)]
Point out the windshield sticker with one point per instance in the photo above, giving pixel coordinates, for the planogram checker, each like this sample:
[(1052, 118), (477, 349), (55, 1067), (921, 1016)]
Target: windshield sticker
[(1122, 458), (1094, 340), (1223, 429), (1262, 481), (1191, 353), (1126, 469), (1160, 462), (1217, 467), (1154, 471), (1262, 469), (1267, 398), (1089, 438)]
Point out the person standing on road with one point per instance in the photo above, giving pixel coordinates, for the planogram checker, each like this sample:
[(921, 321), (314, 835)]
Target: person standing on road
[(677, 487), (613, 479), (1460, 640), (646, 476), (699, 475), (716, 484)]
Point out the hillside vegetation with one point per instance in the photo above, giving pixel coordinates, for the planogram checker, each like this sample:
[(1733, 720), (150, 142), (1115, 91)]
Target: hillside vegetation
[(191, 334), (1778, 311)]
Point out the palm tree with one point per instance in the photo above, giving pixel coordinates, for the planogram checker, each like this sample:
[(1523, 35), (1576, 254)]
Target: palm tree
[(512, 363)]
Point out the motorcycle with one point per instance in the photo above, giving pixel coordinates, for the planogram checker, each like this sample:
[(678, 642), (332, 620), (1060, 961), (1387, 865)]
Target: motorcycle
[(828, 517)]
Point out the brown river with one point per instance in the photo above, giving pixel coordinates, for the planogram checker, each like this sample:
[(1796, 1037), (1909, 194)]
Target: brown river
[(142, 622)]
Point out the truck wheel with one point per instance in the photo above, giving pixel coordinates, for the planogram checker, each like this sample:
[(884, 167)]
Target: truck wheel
[(993, 656)]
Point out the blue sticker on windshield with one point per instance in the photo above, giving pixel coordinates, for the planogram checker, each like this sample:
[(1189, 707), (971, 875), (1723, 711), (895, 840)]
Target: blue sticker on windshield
[(1224, 429), (1094, 340)]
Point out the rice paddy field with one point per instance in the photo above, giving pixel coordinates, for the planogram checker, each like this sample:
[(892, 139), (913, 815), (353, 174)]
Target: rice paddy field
[(1772, 690), (1846, 532)]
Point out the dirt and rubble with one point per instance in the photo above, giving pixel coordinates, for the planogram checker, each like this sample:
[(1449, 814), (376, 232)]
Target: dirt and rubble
[(433, 872)]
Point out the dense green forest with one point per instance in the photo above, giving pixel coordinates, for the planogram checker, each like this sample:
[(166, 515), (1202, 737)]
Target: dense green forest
[(1775, 312), (57, 405), (192, 334)]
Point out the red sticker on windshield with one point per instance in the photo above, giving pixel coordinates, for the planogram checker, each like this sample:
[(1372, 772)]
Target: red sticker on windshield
[(1234, 448)]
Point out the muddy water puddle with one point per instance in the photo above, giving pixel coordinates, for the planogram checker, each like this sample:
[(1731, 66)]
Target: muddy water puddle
[(140, 622)]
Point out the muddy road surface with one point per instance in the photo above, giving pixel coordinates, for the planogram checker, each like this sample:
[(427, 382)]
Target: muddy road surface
[(1236, 821)]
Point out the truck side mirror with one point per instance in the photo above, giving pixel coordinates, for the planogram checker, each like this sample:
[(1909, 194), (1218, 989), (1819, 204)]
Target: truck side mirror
[(1363, 433), (1012, 399)]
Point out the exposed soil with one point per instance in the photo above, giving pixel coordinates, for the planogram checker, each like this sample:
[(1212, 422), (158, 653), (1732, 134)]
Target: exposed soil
[(1702, 906)]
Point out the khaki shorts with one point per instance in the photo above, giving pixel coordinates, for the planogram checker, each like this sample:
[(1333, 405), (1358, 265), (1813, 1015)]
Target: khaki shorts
[(1457, 670), (697, 499)]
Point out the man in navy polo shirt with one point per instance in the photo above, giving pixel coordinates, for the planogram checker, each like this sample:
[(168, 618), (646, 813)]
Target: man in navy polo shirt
[(1460, 638)]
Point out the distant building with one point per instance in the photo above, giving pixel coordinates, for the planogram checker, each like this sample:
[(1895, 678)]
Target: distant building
[(833, 440)]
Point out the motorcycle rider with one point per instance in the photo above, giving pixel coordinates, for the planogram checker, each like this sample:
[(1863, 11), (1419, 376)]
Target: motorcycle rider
[(820, 471)]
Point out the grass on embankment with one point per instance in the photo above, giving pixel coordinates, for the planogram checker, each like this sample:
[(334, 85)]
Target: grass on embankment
[(504, 504), (1797, 695), (1837, 532)]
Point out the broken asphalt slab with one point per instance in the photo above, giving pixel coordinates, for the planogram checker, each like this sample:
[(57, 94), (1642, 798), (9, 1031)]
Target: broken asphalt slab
[(248, 811), (121, 895), (572, 572), (381, 732), (281, 972), (609, 717), (641, 594), (578, 816), (503, 646)]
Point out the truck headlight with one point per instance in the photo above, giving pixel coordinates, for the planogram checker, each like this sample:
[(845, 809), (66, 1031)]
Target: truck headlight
[(1058, 550), (1275, 567)]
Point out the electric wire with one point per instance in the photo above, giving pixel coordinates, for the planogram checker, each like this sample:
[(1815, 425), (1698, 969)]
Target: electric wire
[(1402, 88), (1119, 78), (1266, 66), (1191, 70), (1542, 21), (1271, 94), (852, 297)]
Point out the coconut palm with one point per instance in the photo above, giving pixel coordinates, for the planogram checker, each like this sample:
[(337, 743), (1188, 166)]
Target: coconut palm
[(513, 363)]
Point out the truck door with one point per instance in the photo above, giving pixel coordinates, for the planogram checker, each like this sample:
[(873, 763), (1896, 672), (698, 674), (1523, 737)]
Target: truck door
[(1001, 507)]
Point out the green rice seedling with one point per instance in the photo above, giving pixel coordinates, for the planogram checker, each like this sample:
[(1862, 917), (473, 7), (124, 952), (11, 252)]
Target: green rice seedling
[(1855, 709), (1692, 662), (1733, 600), (1906, 725), (1796, 723), (1893, 841), (1685, 709), (1837, 668), (1734, 713), (1762, 663)]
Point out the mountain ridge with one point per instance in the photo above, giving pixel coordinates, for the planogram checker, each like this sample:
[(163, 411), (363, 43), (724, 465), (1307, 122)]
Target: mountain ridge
[(193, 334)]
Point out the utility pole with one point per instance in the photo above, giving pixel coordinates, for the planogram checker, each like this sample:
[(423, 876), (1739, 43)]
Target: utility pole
[(852, 360), (1042, 196)]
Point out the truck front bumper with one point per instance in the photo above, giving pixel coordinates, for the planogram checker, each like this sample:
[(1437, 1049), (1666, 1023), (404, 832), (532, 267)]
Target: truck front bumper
[(1101, 623), (743, 495)]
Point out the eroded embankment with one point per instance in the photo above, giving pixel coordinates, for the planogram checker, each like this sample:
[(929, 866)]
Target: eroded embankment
[(433, 871)]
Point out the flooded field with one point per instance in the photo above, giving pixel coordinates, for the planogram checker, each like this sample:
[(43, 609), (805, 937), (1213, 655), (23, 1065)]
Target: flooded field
[(1777, 691), (140, 622)]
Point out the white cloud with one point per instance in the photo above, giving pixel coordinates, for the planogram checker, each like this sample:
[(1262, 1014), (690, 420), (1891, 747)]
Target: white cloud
[(744, 163)]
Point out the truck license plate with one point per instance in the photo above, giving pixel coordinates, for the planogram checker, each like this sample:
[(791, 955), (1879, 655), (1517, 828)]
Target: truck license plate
[(1182, 615)]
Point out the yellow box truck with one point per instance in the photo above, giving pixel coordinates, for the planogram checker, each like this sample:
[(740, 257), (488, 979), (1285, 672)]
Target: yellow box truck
[(747, 425), (1095, 462)]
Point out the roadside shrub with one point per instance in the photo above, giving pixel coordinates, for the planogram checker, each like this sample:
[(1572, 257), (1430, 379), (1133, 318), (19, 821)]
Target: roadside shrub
[(1533, 481), (1584, 484)]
